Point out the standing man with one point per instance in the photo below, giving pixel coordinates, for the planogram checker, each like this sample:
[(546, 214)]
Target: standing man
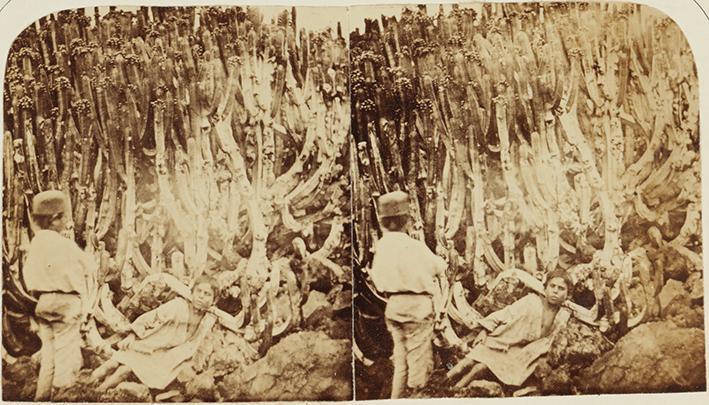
[(63, 277), (407, 273)]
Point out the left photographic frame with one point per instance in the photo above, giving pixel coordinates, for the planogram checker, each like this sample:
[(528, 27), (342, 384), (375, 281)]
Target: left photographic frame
[(176, 207)]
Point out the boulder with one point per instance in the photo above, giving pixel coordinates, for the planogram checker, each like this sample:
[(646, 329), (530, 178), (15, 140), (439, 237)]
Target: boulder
[(342, 300), (676, 266), (19, 379), (576, 346), (128, 392), (316, 308), (683, 314), (302, 366), (484, 388), (671, 289), (336, 327), (201, 387), (229, 358), (695, 286), (653, 357), (557, 381), (230, 352)]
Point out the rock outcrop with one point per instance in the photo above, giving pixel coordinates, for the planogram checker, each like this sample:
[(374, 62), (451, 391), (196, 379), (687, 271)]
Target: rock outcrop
[(303, 366), (654, 357)]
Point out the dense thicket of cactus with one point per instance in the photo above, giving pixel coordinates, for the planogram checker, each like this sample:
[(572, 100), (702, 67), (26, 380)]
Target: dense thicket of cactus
[(531, 136), (190, 141)]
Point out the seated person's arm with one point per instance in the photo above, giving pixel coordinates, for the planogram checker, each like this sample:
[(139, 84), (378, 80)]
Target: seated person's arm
[(504, 315), (152, 320)]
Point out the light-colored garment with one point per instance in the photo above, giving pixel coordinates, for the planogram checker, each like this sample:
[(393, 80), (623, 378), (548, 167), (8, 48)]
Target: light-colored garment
[(163, 343), (64, 276), (409, 308), (55, 263), (58, 317), (413, 354), (405, 265), (515, 342)]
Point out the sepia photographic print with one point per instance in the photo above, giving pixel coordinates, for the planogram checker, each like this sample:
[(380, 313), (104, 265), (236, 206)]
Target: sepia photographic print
[(312, 201), (176, 221), (527, 201)]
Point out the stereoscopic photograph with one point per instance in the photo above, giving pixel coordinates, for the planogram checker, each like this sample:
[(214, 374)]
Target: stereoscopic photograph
[(176, 208), (227, 203), (526, 201)]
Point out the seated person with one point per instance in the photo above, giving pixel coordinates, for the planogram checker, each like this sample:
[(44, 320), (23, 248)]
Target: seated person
[(162, 341), (513, 338)]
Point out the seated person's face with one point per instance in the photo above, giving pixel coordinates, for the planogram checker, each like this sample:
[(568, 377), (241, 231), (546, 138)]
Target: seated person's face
[(202, 296), (556, 291)]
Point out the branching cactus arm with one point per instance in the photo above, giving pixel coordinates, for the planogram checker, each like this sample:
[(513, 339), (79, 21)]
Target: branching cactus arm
[(569, 122), (167, 199), (256, 221)]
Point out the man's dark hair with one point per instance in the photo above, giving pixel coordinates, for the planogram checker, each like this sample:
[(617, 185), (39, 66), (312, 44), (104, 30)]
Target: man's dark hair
[(213, 283), (395, 223), (562, 275), (45, 221)]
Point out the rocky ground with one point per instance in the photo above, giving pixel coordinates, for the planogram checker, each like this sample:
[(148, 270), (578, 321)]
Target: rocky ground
[(303, 365), (311, 363), (664, 354)]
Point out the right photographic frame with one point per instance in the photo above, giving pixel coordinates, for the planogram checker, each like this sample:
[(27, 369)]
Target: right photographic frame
[(526, 201)]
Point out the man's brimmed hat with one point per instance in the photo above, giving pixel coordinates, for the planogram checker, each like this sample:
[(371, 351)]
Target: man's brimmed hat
[(393, 204), (49, 203)]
